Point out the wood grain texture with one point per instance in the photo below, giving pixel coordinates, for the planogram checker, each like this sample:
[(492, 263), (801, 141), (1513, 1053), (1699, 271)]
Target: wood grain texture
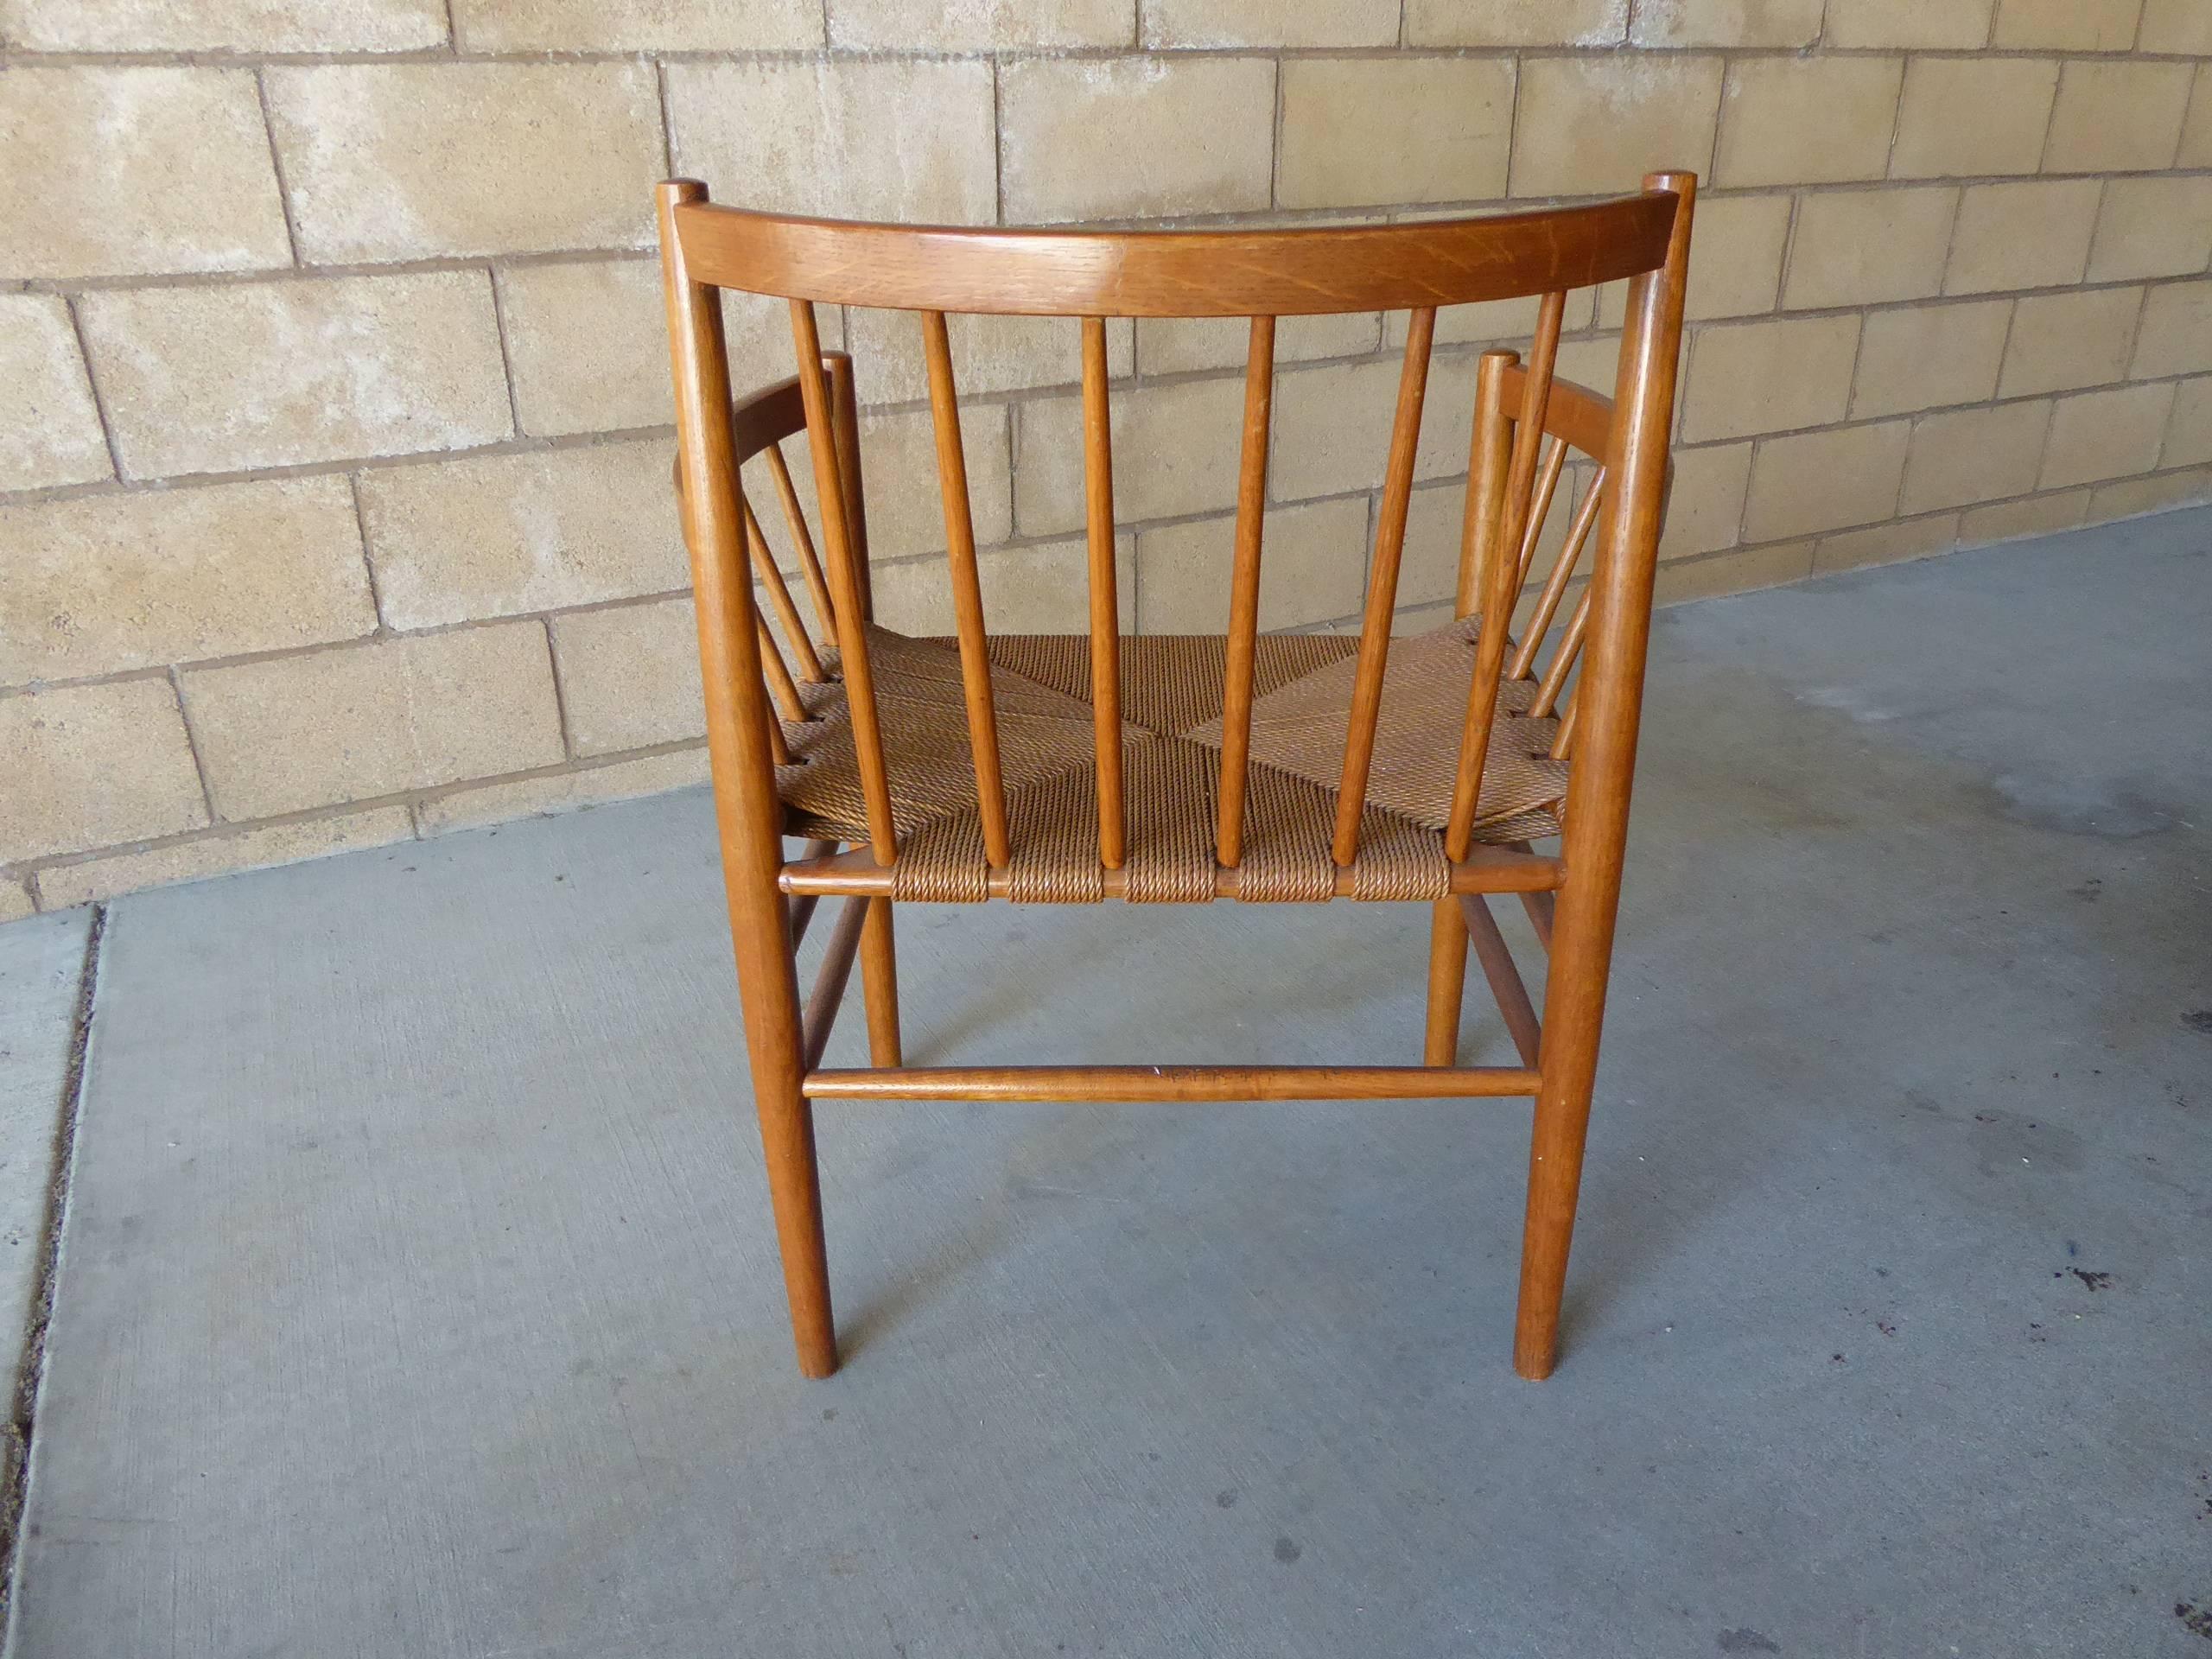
[(840, 534), (1608, 710), (967, 589), (1175, 273), (1239, 650), (1188, 1083), (742, 752), (1582, 417), (1525, 424), (1383, 584), (1105, 608)]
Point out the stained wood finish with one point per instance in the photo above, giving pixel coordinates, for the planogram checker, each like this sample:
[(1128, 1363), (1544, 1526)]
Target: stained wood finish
[(1448, 982), (880, 985), (1540, 620), (1502, 582), (966, 589), (1563, 656), (1526, 422), (832, 977), (1608, 710), (1521, 513), (748, 818), (1105, 609), (779, 597), (778, 675), (1144, 1082), (1512, 1004), (1583, 418), (1488, 453), (879, 965), (809, 564), (1175, 273), (1546, 487), (1383, 584), (1565, 741), (1240, 649), (839, 532), (802, 908), (845, 433)]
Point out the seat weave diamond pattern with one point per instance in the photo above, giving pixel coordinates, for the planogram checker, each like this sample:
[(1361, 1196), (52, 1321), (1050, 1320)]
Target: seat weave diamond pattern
[(1172, 694)]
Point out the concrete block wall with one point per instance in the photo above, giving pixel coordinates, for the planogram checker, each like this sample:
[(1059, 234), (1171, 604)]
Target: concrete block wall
[(334, 408)]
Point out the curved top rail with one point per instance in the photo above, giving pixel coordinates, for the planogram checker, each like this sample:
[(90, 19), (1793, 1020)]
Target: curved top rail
[(1174, 273)]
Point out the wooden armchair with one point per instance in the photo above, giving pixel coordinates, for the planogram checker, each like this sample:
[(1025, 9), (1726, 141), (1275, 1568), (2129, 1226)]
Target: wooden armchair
[(1260, 767)]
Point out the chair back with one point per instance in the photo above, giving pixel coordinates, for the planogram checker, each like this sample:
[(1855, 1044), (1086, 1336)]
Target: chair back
[(1527, 421)]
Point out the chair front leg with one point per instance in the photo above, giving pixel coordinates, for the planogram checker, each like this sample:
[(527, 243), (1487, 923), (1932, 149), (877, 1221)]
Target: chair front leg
[(774, 1039), (1575, 1008)]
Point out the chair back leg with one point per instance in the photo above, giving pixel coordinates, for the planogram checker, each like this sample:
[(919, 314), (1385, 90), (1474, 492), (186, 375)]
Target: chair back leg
[(1610, 698)]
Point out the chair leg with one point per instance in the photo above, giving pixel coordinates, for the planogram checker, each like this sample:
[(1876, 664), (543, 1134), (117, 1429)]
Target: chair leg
[(1448, 982), (774, 1039), (880, 985), (1575, 1008)]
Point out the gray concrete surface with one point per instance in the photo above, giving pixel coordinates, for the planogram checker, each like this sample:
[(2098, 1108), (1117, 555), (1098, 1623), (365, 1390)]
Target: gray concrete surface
[(419, 1296), (41, 963)]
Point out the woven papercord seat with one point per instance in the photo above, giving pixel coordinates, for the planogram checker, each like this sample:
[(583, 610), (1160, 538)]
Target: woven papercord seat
[(858, 769), (1171, 703)]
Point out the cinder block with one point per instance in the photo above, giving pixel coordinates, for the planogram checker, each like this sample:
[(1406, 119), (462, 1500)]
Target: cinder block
[(637, 25), (1973, 454), (501, 535), (271, 375), (886, 138), (1812, 481), (1768, 376), (131, 171), (630, 675), (356, 722), (1589, 126), (416, 161), (1135, 138), (94, 766), (103, 583), (1449, 128), (49, 427)]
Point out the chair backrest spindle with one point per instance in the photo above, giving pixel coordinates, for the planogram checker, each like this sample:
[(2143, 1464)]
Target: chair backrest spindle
[(967, 590), (780, 596), (1564, 739), (1547, 486), (1529, 428), (1490, 449), (1563, 656), (1505, 577), (831, 501), (845, 432), (781, 687), (1240, 648), (1383, 583), (1105, 612), (1540, 620), (825, 613)]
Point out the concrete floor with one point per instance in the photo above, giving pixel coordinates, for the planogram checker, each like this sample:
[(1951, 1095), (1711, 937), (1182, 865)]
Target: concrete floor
[(419, 1295)]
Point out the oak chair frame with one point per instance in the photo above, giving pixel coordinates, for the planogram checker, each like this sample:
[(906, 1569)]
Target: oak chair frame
[(752, 692)]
